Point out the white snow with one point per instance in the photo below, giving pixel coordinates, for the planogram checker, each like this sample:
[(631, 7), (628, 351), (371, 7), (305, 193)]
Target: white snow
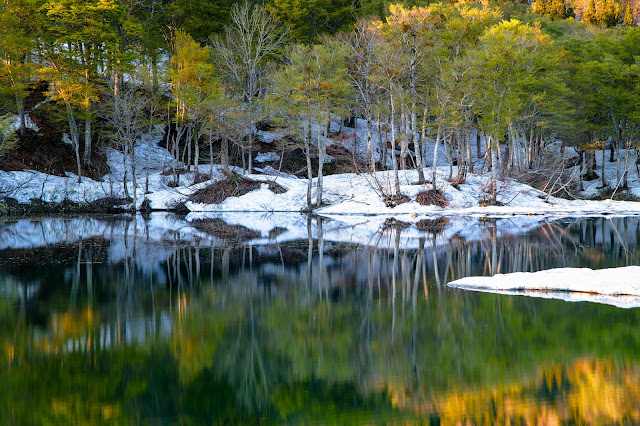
[(344, 194), (264, 157), (28, 123), (615, 286)]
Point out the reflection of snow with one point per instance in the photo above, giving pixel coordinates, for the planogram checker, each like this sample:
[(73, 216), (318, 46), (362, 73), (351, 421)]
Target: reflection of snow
[(615, 286)]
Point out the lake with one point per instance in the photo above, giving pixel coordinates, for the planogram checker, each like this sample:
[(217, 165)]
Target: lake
[(163, 319)]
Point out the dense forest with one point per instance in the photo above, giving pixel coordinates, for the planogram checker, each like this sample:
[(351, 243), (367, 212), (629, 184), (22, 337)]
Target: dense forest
[(511, 78)]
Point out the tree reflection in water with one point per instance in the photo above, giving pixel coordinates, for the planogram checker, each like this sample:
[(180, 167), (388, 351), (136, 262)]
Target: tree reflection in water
[(109, 330)]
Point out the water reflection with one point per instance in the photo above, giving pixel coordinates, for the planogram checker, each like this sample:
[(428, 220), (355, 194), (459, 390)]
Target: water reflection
[(160, 319)]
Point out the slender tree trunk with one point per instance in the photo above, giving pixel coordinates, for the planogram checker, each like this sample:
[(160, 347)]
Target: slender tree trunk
[(22, 128), (75, 139), (581, 170), (447, 150), (309, 165), (493, 184), (604, 181), (146, 173), (626, 164), (133, 176), (404, 135), (434, 168), (251, 124), (321, 155), (418, 144), (211, 155), (196, 157), (468, 152), (190, 136), (618, 171), (124, 167), (396, 177), (383, 142), (370, 157), (225, 152), (87, 136)]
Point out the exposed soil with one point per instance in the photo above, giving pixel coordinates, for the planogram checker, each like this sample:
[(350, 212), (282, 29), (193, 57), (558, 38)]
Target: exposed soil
[(48, 154), (394, 200), (432, 197), (458, 181), (233, 186), (44, 151)]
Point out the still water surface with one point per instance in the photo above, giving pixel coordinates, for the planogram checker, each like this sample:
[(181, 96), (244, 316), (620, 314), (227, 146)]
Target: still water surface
[(115, 320)]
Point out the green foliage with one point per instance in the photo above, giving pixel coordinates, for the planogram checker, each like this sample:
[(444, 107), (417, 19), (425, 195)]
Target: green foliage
[(308, 20), (199, 18), (510, 71)]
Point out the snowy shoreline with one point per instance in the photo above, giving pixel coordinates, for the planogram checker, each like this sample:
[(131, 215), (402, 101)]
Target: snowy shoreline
[(344, 194), (614, 286)]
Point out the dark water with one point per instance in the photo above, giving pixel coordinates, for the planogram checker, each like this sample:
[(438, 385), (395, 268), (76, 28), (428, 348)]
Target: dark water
[(161, 321)]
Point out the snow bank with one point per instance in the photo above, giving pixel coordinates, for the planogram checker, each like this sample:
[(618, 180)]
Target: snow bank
[(344, 194), (615, 286)]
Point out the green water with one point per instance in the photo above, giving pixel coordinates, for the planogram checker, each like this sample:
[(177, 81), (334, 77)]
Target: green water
[(121, 327)]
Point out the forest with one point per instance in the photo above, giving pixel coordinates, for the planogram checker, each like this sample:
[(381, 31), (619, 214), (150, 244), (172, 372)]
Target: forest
[(503, 80)]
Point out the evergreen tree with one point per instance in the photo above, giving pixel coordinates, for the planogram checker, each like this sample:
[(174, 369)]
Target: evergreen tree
[(308, 20)]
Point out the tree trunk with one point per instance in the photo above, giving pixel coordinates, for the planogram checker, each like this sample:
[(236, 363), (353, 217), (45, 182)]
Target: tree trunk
[(447, 150), (370, 158), (382, 141), (22, 129), (396, 178), (418, 145), (581, 171), (604, 181), (309, 165), (225, 153), (404, 125), (124, 175), (87, 138), (321, 155), (196, 158), (146, 173), (133, 176), (251, 123), (493, 183), (75, 139), (626, 165), (468, 152), (435, 158)]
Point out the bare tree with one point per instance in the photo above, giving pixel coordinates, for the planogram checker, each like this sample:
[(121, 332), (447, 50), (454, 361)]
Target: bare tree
[(127, 115), (250, 40), (362, 43)]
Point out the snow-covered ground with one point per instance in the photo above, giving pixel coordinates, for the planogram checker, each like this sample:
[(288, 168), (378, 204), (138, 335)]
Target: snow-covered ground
[(615, 286), (344, 194)]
